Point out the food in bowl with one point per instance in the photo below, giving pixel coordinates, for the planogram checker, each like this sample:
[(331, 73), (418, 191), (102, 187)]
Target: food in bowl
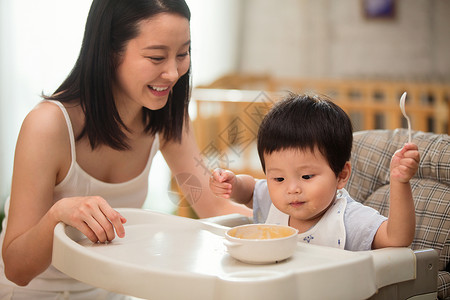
[(261, 243), (262, 232)]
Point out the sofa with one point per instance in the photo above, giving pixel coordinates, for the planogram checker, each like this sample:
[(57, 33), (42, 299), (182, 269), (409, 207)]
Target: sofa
[(369, 184)]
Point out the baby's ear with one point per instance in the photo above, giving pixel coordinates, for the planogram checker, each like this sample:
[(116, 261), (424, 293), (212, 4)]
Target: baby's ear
[(344, 175)]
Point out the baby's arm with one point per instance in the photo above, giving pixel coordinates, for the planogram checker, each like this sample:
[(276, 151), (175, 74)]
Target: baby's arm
[(225, 184), (399, 229)]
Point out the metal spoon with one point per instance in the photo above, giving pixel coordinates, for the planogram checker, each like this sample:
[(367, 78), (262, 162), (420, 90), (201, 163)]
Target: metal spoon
[(402, 107)]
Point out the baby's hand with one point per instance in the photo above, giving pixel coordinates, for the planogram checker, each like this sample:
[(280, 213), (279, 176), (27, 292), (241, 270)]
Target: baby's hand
[(405, 162), (221, 182)]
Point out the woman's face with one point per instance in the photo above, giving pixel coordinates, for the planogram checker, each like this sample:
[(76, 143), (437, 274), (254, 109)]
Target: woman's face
[(153, 62)]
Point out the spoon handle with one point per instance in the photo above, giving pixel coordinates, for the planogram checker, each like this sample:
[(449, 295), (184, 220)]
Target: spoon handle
[(402, 108), (409, 129)]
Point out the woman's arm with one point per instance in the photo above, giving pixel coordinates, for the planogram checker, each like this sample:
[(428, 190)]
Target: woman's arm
[(185, 158), (399, 229), (41, 159)]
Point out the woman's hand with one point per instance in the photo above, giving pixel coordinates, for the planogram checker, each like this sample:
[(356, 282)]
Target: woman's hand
[(93, 216)]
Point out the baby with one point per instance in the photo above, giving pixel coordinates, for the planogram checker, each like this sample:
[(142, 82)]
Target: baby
[(304, 144)]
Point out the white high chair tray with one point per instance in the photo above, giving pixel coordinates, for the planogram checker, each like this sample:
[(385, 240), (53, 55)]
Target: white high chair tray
[(170, 257)]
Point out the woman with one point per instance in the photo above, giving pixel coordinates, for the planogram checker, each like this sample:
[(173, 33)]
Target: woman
[(89, 146)]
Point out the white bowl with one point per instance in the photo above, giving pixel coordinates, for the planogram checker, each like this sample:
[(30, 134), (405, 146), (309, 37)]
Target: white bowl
[(261, 243)]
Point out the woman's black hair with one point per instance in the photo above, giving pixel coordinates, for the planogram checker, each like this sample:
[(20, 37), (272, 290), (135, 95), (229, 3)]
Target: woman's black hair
[(305, 122), (109, 27)]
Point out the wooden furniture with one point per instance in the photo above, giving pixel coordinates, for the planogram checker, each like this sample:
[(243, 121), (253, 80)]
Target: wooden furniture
[(372, 104), (229, 111)]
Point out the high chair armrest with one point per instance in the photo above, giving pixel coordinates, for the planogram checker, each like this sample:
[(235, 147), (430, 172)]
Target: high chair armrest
[(422, 287)]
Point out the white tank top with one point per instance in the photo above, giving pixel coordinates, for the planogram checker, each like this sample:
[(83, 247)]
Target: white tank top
[(77, 182)]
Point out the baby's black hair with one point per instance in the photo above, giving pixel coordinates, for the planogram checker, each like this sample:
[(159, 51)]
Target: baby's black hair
[(305, 122)]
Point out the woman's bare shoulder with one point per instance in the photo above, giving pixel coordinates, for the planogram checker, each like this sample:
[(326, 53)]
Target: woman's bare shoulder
[(43, 145), (45, 120), (44, 131)]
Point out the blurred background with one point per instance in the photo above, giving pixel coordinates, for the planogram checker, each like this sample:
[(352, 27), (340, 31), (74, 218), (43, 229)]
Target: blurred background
[(246, 51)]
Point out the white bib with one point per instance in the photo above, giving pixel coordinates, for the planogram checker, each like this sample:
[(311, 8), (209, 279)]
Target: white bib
[(329, 231)]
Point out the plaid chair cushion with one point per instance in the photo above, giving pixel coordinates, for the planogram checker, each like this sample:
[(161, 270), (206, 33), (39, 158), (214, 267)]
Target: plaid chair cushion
[(369, 184)]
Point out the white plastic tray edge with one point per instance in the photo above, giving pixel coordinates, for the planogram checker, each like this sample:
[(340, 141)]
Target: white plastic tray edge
[(372, 265), (85, 270)]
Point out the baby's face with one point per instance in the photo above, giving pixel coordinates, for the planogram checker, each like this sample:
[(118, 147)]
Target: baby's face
[(301, 184)]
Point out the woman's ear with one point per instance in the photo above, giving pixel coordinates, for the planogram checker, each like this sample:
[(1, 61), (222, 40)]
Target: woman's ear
[(344, 175)]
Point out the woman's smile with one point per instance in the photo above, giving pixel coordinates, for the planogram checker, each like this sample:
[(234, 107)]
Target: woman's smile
[(159, 91)]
